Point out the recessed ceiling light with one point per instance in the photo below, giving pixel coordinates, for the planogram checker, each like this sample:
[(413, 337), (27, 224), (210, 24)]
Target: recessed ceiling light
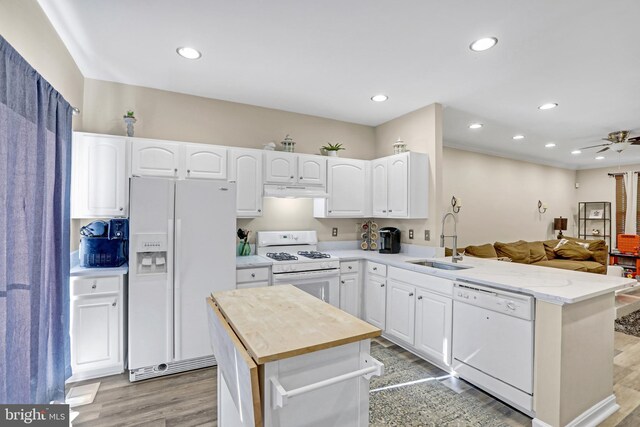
[(599, 157), (379, 98), (475, 125), (550, 145), (188, 52), (483, 44), (516, 137), (548, 106), (576, 152)]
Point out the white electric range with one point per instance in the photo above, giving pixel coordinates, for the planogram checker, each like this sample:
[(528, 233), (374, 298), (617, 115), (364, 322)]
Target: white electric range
[(296, 261)]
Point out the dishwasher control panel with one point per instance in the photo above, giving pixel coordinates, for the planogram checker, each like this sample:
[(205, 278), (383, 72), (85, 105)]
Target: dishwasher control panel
[(510, 303)]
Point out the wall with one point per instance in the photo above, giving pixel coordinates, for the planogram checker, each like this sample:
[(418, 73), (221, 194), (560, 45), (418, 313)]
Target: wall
[(500, 197), (421, 130), (25, 26), (168, 115), (597, 186)]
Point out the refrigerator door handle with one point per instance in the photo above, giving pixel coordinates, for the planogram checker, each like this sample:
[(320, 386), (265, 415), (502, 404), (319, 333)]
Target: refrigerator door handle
[(170, 314), (177, 303)]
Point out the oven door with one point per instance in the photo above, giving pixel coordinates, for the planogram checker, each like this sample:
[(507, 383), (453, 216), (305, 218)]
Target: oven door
[(322, 284)]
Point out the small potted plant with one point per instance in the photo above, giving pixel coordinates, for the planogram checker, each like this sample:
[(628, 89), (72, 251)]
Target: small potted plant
[(129, 120), (332, 149)]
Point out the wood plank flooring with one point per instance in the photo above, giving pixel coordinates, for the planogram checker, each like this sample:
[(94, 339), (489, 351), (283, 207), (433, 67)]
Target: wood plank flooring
[(189, 399)]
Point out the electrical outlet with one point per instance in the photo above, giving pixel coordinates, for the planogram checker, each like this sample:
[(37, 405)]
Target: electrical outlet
[(410, 234), (427, 235), (334, 232)]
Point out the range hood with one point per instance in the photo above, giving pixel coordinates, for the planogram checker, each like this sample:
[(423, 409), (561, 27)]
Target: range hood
[(293, 191)]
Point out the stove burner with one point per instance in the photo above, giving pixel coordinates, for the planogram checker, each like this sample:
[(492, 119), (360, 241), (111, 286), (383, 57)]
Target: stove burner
[(313, 254), (282, 256)]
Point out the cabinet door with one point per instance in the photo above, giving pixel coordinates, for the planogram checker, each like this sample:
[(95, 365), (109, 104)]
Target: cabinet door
[(379, 187), (349, 294), (433, 326), (99, 183), (398, 185), (400, 310), (375, 301), (206, 162), (155, 158), (245, 168), (280, 168), (312, 170), (346, 185), (95, 332)]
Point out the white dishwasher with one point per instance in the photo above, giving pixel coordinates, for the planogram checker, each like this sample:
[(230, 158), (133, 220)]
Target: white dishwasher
[(493, 341)]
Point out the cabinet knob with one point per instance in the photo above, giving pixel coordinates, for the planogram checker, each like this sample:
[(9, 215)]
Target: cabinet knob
[(390, 210), (420, 297), (375, 268), (384, 211), (259, 210), (121, 209), (350, 267), (330, 211), (188, 170), (94, 286), (176, 170), (382, 285), (411, 294), (342, 281), (300, 177), (253, 274), (114, 304), (291, 176)]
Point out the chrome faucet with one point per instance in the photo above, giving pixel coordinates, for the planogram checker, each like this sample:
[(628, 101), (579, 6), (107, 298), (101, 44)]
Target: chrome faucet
[(456, 257)]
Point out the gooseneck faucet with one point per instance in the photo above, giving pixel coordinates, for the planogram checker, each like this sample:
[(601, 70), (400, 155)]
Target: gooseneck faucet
[(456, 257)]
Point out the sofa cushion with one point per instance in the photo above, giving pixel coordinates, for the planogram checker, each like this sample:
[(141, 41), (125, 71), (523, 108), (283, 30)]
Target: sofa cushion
[(598, 247), (548, 248), (565, 264), (449, 251), (573, 251), (482, 251), (537, 252), (594, 267), (517, 251)]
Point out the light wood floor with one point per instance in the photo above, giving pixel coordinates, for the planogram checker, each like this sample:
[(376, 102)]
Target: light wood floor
[(189, 399)]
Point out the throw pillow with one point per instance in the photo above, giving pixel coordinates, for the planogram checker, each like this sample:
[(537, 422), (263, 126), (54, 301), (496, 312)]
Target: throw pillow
[(517, 251), (537, 252), (482, 251), (549, 245), (561, 243), (574, 251)]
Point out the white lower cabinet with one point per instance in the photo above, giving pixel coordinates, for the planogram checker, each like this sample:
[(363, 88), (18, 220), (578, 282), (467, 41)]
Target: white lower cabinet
[(350, 287), (375, 300), (401, 309), (97, 318), (434, 314), (252, 277)]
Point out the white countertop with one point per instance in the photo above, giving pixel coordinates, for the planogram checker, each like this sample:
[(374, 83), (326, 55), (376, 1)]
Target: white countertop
[(75, 269), (251, 261), (544, 283)]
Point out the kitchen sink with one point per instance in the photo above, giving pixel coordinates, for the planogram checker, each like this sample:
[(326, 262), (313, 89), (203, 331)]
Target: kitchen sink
[(440, 265)]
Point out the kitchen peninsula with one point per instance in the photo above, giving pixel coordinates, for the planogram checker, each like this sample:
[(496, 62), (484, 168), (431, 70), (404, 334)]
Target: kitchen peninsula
[(286, 358)]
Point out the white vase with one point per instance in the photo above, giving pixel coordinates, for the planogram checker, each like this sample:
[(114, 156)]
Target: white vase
[(332, 153)]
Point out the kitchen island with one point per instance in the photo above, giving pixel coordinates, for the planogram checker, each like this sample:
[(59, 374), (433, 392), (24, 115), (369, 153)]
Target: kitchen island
[(286, 358)]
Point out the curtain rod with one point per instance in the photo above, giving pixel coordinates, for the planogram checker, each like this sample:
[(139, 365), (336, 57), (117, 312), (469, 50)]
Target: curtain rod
[(75, 110), (618, 174)]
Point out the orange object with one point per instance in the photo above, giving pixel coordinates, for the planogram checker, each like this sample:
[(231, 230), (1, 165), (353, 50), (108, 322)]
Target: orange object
[(628, 243)]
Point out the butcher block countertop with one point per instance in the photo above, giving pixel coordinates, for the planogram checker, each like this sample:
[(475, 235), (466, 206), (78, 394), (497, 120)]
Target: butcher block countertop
[(277, 322)]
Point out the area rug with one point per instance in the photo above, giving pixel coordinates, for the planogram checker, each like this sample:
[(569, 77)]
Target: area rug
[(629, 324), (412, 395)]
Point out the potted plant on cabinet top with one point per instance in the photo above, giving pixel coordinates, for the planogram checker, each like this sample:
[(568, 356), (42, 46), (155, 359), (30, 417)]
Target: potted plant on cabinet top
[(332, 149)]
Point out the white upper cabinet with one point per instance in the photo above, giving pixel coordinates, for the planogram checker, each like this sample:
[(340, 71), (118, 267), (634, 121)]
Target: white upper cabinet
[(245, 168), (205, 161), (400, 186), (99, 177), (155, 158), (280, 168), (379, 187), (312, 170), (348, 189)]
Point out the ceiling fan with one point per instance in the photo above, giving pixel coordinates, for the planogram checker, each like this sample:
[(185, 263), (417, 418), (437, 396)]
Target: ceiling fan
[(618, 141)]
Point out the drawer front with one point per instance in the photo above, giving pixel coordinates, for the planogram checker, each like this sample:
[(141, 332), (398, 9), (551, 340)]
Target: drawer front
[(376, 268), (252, 285), (424, 281), (252, 275), (95, 285), (349, 267)]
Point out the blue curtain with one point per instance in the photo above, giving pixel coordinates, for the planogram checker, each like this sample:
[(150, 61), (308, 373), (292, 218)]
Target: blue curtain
[(35, 162)]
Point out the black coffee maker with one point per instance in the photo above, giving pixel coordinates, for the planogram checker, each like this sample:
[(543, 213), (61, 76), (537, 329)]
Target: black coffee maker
[(389, 240)]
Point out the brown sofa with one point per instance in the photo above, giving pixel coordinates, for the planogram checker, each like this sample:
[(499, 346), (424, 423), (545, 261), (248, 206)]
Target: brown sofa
[(571, 256)]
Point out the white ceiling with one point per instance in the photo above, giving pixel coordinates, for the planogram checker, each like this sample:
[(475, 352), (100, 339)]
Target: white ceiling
[(327, 58)]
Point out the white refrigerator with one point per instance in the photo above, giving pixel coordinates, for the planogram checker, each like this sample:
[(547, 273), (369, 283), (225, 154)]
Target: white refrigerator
[(181, 248)]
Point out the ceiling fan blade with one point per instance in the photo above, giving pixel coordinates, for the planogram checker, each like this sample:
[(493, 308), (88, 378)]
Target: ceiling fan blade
[(634, 141), (604, 149), (594, 146)]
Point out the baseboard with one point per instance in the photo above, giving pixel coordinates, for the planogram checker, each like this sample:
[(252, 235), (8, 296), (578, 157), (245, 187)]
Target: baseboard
[(592, 417), (95, 373)]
